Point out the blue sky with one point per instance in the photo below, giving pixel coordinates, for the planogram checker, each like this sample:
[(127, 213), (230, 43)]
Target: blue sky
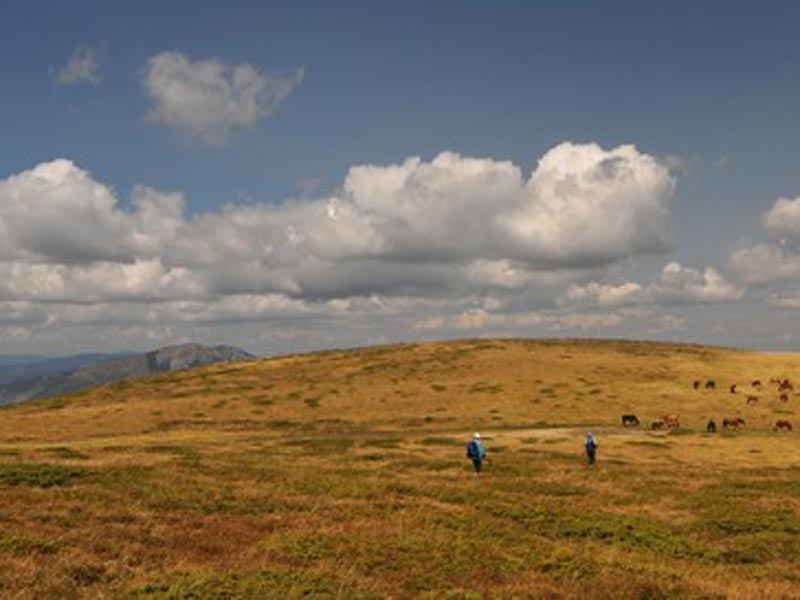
[(708, 89)]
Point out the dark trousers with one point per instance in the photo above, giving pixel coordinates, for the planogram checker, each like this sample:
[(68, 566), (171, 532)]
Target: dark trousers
[(477, 464), (590, 452)]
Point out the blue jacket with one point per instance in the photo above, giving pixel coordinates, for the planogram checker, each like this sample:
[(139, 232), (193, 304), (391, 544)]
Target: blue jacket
[(476, 450)]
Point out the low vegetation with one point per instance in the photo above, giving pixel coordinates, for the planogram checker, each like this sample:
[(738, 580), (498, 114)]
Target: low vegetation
[(351, 480)]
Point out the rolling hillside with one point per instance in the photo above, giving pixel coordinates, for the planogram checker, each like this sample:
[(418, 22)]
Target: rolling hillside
[(342, 473)]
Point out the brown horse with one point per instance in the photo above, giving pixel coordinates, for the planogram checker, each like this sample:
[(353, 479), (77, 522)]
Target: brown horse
[(671, 421), (756, 383), (785, 385), (732, 422), (711, 384), (658, 424), (733, 388), (751, 400), (782, 425), (630, 420), (784, 397)]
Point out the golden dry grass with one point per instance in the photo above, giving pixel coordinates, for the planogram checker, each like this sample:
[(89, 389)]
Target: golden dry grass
[(342, 473)]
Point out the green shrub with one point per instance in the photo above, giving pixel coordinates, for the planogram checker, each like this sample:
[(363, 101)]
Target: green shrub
[(39, 475), (22, 544)]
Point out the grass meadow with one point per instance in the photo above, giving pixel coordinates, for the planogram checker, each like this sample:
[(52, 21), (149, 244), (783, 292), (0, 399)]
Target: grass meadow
[(342, 474)]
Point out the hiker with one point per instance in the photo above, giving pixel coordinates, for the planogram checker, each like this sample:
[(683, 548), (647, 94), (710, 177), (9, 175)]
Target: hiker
[(476, 452), (711, 427), (591, 448)]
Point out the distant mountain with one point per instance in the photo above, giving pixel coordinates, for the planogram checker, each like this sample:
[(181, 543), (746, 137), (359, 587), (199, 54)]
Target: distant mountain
[(72, 374), (20, 359), (17, 367)]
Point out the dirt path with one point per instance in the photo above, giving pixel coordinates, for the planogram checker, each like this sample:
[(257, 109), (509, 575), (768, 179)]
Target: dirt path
[(552, 433)]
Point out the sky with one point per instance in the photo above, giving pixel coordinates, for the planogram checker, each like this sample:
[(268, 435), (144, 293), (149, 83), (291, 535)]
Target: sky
[(289, 176)]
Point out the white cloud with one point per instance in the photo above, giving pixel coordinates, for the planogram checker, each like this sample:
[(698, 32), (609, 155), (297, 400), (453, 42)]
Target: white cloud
[(790, 300), (782, 221), (83, 67), (778, 259), (766, 263), (58, 213), (207, 100), (675, 284), (408, 241), (478, 318), (603, 294), (451, 224), (581, 207), (683, 285)]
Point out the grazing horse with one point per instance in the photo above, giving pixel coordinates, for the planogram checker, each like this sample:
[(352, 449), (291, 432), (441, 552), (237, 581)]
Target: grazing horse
[(697, 385), (631, 420), (756, 383), (752, 400), (671, 421), (658, 424), (733, 388), (732, 422), (784, 397), (711, 384), (785, 385), (781, 425), (711, 427)]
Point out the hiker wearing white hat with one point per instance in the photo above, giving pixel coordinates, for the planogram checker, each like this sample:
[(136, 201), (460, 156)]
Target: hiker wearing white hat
[(476, 452)]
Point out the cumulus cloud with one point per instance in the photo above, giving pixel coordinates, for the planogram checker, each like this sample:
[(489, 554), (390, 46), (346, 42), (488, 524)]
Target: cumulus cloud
[(420, 237), (782, 221), (766, 263), (581, 207), (83, 67), (675, 284), (683, 285), (57, 213), (207, 100), (604, 294), (779, 258), (790, 299), (479, 318), (405, 229)]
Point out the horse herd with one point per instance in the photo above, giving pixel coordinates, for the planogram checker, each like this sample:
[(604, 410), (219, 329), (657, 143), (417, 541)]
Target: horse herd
[(784, 386)]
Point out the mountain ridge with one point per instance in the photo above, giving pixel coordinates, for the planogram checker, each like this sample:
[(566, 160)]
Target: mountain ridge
[(82, 374)]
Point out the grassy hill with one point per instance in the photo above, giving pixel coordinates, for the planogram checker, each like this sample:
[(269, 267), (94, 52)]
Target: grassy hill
[(342, 473)]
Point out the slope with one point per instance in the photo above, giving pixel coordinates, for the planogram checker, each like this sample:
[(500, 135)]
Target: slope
[(265, 478)]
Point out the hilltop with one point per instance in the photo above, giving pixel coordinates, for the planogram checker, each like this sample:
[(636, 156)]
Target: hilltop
[(262, 478), (454, 385)]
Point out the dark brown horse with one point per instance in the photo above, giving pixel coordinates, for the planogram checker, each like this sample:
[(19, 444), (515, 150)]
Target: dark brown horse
[(732, 422), (782, 425), (630, 420)]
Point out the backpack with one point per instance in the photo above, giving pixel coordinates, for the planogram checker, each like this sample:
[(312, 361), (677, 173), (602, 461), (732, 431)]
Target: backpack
[(472, 450)]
